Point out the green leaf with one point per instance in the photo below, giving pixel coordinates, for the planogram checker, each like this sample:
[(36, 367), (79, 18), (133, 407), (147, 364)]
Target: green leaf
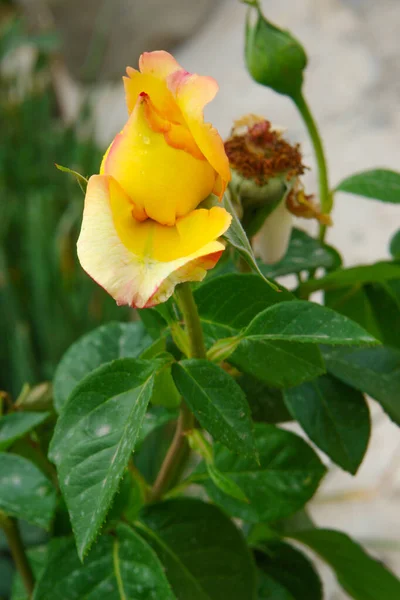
[(278, 364), (228, 303), (164, 390), (354, 276), (16, 425), (301, 321), (100, 346), (375, 306), (269, 589), (303, 254), (237, 238), (225, 484), (378, 184), (375, 371), (217, 402), (94, 437), (395, 245), (290, 568), (266, 403), (361, 576), (236, 298), (335, 417), (25, 492), (274, 57), (287, 476), (121, 566), (204, 555)]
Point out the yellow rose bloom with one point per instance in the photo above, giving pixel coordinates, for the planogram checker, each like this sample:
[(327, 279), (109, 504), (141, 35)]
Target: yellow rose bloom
[(142, 232)]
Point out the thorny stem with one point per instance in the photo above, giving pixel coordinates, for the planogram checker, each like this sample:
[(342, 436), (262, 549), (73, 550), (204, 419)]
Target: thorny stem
[(17, 550), (178, 452), (325, 196)]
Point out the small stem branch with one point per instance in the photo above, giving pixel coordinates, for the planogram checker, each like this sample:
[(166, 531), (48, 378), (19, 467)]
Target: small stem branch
[(325, 196), (179, 451), (17, 550)]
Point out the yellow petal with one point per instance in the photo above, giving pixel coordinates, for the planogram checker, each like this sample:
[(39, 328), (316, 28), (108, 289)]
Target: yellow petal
[(192, 93), (137, 83), (139, 264), (164, 183), (159, 63), (154, 68)]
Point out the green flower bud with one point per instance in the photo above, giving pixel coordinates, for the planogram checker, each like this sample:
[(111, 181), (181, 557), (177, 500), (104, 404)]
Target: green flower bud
[(274, 57)]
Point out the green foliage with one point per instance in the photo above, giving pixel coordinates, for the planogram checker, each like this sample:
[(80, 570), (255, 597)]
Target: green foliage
[(122, 565), (334, 416), (303, 254), (94, 438), (375, 371), (205, 556), (25, 492), (291, 569), (378, 184), (16, 425), (283, 479), (217, 402), (360, 575), (106, 343)]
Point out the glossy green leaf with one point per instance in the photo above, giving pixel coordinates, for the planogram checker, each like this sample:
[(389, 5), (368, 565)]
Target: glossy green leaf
[(378, 272), (290, 568), (301, 321), (304, 253), (375, 371), (287, 476), (228, 303), (395, 245), (94, 437), (16, 425), (120, 567), (236, 298), (217, 402), (266, 403), (361, 576), (204, 555), (278, 364), (25, 492), (334, 416), (378, 184), (106, 343), (225, 484)]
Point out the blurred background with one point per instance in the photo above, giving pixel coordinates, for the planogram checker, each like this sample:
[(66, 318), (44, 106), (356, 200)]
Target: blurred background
[(62, 101)]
